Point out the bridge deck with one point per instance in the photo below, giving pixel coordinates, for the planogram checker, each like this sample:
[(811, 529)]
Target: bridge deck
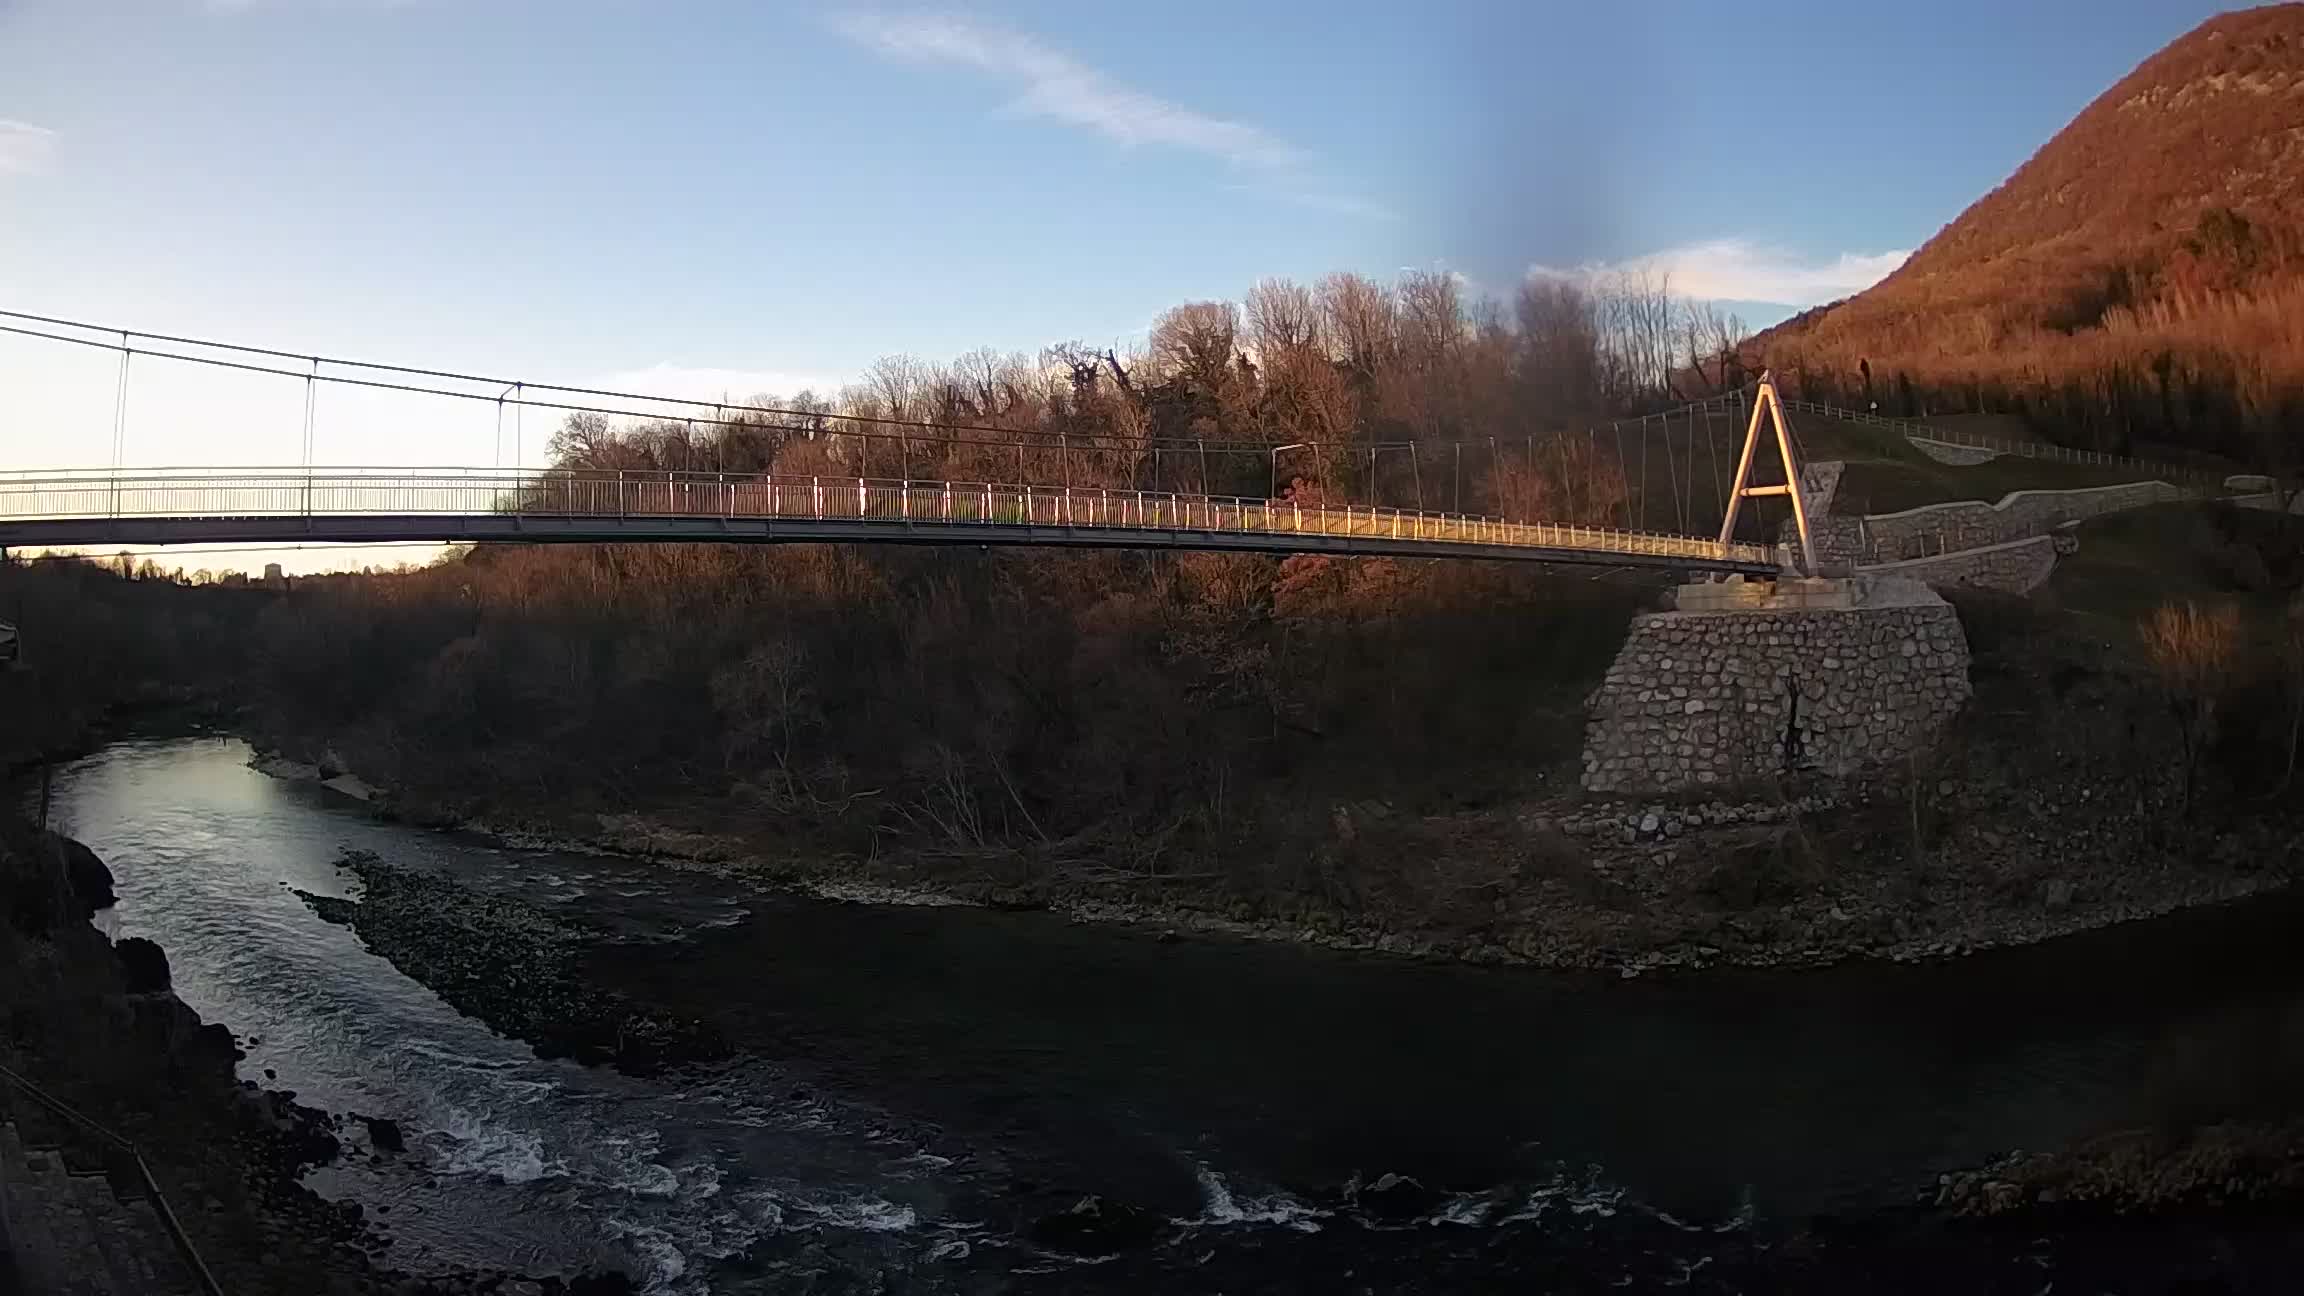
[(283, 506)]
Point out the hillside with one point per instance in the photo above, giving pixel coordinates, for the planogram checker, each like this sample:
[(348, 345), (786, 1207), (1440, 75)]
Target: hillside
[(2133, 287)]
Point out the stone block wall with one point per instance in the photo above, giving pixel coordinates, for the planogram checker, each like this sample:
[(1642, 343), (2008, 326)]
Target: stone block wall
[(1702, 699), (1820, 486), (1934, 529), (1835, 543), (2017, 567), (1839, 540), (2270, 500), (1938, 528)]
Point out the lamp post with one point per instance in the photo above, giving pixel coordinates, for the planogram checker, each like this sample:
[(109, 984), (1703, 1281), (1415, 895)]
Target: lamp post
[(1273, 491)]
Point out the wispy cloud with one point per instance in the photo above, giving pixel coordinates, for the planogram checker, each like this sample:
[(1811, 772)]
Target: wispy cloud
[(1736, 269), (1055, 85), (24, 148)]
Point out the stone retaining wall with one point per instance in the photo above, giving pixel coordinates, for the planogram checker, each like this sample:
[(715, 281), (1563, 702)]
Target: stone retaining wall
[(1914, 533), (2270, 502), (1839, 539), (1934, 529), (1704, 699), (1821, 481), (2017, 567), (1947, 452)]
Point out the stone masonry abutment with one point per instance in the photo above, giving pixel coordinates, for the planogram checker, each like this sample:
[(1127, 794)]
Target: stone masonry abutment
[(1746, 681)]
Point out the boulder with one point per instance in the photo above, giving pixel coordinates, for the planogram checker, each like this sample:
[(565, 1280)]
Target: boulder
[(143, 966), (48, 882), (384, 1134), (1396, 1199), (91, 882)]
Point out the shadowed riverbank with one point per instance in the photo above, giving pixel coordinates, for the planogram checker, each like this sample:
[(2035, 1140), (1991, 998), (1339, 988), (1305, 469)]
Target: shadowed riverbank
[(926, 1097)]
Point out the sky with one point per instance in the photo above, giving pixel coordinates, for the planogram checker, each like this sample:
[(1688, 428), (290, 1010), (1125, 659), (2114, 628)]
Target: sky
[(742, 196)]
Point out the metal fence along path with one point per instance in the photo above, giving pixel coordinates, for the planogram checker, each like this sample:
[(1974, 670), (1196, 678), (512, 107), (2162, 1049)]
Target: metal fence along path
[(1952, 436), (165, 506)]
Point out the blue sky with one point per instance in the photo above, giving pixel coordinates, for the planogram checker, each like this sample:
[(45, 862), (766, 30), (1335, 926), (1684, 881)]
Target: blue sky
[(706, 193)]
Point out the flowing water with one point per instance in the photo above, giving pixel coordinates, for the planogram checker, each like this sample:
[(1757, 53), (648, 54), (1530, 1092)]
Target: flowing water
[(917, 1084)]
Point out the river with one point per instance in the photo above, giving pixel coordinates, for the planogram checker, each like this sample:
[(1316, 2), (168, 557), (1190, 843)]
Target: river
[(917, 1085)]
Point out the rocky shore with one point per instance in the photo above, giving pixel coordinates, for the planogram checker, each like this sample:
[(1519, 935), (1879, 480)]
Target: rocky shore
[(98, 1025), (2220, 1167), (1810, 876)]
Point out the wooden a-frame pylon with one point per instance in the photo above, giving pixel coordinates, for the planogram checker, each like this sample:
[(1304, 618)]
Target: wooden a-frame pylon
[(1769, 403)]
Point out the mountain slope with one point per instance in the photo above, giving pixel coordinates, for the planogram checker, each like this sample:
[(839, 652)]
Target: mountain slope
[(2138, 278)]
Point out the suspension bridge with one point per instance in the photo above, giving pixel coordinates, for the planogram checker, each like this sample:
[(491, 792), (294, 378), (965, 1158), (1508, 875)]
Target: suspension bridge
[(121, 504)]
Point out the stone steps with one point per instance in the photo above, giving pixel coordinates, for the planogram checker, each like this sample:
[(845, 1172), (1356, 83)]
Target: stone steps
[(66, 1231)]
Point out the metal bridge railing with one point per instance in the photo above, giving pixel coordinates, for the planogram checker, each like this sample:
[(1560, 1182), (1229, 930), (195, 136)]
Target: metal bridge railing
[(127, 1151), (264, 492)]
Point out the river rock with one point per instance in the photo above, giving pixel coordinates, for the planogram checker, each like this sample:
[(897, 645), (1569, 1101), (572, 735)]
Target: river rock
[(143, 966), (384, 1134), (48, 883), (91, 881), (1398, 1199), (329, 909), (1097, 1226)]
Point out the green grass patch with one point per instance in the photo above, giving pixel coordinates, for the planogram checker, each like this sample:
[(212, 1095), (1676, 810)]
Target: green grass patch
[(1888, 474), (2132, 562)]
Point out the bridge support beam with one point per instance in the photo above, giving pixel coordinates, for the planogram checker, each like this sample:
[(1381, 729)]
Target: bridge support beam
[(1766, 404), (1744, 682)]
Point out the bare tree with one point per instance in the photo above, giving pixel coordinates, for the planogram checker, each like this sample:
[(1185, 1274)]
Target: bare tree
[(1283, 319), (1305, 395), (1425, 387), (1431, 317), (983, 383), (1712, 342), (2192, 650), (1636, 328), (1195, 342), (899, 383), (1208, 386), (1362, 323), (586, 441), (1559, 345), (765, 701)]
